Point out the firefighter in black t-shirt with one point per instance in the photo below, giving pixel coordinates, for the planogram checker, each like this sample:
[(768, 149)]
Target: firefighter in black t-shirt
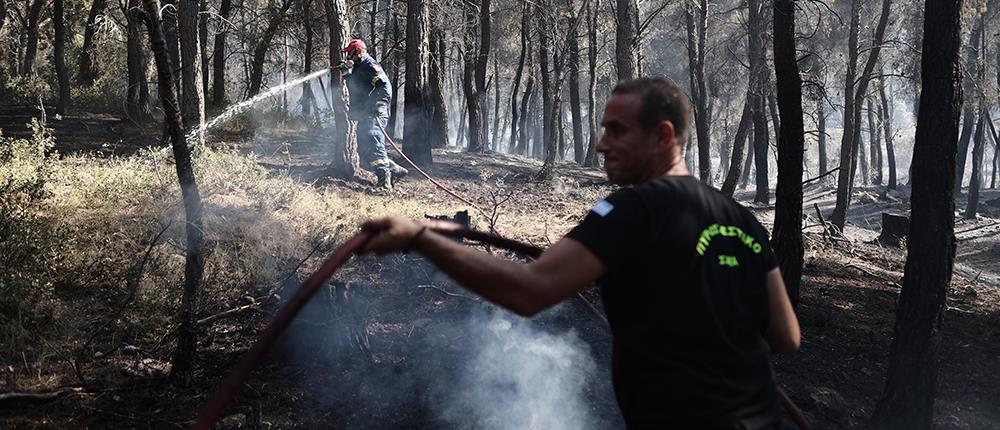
[(692, 290)]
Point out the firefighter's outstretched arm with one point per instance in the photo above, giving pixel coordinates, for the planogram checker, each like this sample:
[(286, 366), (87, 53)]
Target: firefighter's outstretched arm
[(525, 288)]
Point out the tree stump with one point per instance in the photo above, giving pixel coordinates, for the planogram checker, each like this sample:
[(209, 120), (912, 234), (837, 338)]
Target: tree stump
[(894, 228)]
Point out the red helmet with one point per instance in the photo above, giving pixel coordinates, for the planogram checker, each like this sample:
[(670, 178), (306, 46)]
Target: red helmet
[(354, 45)]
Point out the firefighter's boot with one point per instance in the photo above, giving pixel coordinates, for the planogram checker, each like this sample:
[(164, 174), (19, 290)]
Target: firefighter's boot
[(384, 180), (398, 172)]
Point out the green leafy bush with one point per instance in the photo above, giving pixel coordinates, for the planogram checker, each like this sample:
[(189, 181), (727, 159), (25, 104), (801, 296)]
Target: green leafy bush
[(27, 240)]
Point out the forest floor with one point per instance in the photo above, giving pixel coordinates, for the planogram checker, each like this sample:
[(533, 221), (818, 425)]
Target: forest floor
[(408, 348)]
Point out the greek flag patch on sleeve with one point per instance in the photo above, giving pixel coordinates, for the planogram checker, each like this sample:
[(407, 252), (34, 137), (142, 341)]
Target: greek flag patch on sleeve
[(603, 208)]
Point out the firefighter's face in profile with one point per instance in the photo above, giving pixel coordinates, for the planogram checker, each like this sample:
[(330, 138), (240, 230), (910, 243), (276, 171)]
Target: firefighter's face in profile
[(632, 154)]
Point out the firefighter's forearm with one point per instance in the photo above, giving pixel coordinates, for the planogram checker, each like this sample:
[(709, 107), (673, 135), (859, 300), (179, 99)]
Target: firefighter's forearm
[(515, 286)]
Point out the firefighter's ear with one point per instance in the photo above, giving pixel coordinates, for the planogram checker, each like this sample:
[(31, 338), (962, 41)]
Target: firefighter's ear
[(665, 135)]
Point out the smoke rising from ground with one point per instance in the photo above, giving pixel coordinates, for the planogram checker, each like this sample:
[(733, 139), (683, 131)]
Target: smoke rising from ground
[(521, 377)]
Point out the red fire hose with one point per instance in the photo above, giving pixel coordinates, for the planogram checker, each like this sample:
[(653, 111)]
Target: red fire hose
[(227, 391)]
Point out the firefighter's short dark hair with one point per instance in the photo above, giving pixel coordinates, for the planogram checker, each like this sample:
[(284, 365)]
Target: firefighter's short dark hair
[(661, 100)]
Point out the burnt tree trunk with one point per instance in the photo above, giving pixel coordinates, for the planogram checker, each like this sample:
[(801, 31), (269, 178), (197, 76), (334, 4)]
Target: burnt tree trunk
[(969, 114), (696, 17), (391, 66), (739, 150), (193, 100), (976, 178), (169, 22), (574, 94), (853, 95), (787, 235), (514, 113), (748, 162), (550, 95), (821, 130), (194, 262), (373, 41), (469, 72), (87, 66), (260, 50), (529, 90), (482, 62), (436, 71), (308, 99), (137, 94), (59, 52), (911, 380), (626, 35), (219, 55), (416, 106), (890, 149), (592, 115), (345, 144), (758, 106), (874, 142)]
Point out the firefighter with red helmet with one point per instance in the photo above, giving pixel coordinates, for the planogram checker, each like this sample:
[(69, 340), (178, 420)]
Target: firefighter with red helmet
[(370, 93)]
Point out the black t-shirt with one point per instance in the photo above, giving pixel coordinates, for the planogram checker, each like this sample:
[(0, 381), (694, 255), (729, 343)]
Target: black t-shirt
[(686, 295)]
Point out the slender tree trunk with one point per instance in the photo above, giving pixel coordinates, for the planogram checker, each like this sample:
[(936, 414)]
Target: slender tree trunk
[(890, 150), (969, 117), (59, 51), (137, 94), (821, 113), (169, 20), (469, 77), (860, 153), (592, 115), (996, 152), (976, 178), (529, 91), (87, 66), (193, 107), (31, 37), (787, 235), (260, 50), (194, 264), (850, 143), (550, 96), (482, 62), (748, 163), (345, 144), (911, 382), (495, 138), (203, 47), (739, 145), (758, 106), (626, 34), (525, 35), (696, 16), (416, 107), (219, 55), (372, 40), (439, 117), (392, 66), (308, 99), (574, 95), (874, 144)]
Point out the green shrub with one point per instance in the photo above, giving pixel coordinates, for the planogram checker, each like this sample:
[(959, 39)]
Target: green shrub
[(27, 241)]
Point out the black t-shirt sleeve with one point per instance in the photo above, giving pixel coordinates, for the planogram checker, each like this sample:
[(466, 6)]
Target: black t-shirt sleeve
[(613, 227)]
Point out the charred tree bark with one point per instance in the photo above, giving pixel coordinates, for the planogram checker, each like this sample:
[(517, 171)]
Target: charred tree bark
[(391, 66), (626, 35), (911, 382), (758, 105), (345, 144), (193, 107), (976, 179), (787, 235), (969, 114), (525, 35), (469, 84), (169, 21), (87, 66), (482, 62), (194, 263), (137, 94), (308, 99), (696, 17), (550, 96), (875, 144), (853, 95), (529, 91), (739, 146), (890, 150), (31, 40), (373, 41), (59, 51), (219, 55), (821, 126), (416, 107), (592, 116), (260, 50), (574, 95), (748, 163), (439, 117)]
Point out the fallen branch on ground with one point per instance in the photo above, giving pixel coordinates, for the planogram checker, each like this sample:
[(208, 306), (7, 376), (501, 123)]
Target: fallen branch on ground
[(15, 396)]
